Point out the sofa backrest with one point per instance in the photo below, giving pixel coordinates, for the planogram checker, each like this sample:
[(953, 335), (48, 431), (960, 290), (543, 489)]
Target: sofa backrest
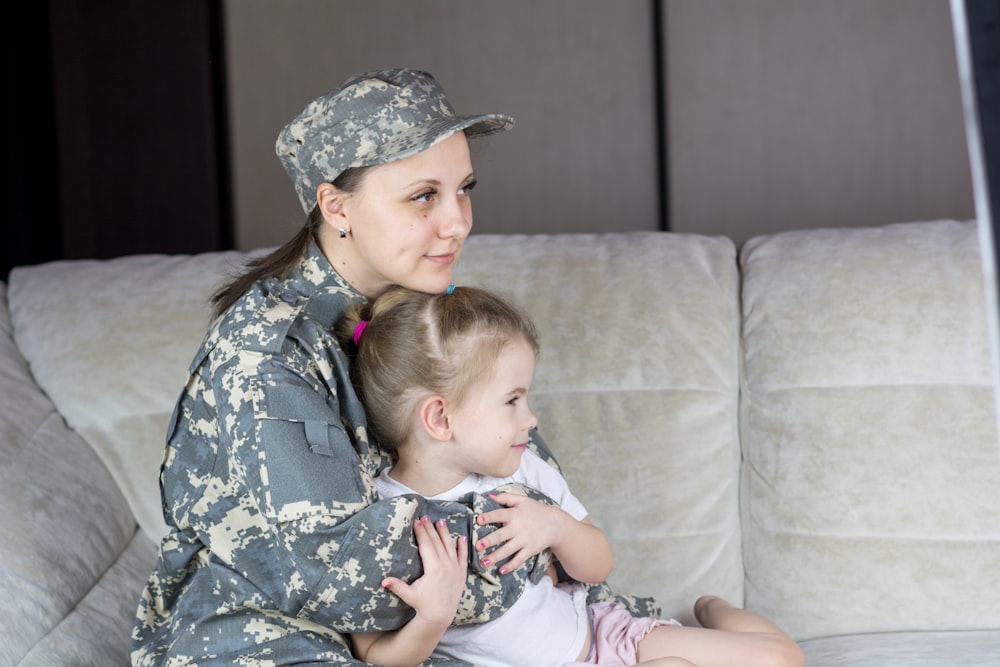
[(636, 387), (110, 342), (636, 391), (871, 475), (856, 376)]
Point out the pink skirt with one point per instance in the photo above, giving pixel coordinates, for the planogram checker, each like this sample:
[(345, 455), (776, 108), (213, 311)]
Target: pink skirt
[(616, 635)]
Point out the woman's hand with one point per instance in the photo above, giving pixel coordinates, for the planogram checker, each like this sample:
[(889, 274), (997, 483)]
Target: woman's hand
[(436, 594)]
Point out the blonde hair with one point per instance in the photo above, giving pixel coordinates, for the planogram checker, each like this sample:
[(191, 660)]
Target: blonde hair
[(414, 344)]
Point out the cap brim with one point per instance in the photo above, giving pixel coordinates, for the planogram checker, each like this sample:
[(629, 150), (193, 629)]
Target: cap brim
[(421, 137), (481, 126)]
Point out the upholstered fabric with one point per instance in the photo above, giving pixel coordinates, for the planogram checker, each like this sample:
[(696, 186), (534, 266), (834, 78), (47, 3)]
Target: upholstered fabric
[(96, 631), (71, 560), (636, 392), (872, 469), (663, 364), (971, 648), (805, 426), (110, 342)]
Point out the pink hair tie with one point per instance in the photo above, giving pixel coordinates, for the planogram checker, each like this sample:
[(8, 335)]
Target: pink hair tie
[(359, 329)]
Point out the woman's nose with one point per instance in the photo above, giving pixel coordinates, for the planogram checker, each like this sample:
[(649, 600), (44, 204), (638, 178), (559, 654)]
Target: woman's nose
[(456, 219)]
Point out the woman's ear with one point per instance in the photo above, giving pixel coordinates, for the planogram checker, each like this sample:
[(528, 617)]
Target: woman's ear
[(435, 417), (331, 203)]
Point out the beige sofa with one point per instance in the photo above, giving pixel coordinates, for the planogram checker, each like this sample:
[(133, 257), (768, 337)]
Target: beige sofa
[(805, 425)]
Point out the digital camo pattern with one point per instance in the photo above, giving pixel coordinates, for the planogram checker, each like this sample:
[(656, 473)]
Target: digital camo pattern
[(278, 542), (370, 119)]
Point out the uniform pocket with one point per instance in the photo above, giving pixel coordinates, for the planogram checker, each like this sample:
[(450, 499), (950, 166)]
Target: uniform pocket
[(308, 464)]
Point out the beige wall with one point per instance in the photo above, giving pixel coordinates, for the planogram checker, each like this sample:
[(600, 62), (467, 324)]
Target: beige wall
[(581, 158), (792, 113), (782, 113)]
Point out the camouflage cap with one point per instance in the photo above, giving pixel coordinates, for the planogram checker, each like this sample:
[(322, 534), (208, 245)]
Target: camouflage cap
[(370, 119)]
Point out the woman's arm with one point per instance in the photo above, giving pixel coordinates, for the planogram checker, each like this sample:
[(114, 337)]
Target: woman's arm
[(434, 597), (315, 538)]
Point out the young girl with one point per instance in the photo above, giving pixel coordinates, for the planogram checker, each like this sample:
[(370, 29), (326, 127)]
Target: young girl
[(445, 379)]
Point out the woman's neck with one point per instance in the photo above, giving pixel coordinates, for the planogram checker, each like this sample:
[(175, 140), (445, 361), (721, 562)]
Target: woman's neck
[(341, 254)]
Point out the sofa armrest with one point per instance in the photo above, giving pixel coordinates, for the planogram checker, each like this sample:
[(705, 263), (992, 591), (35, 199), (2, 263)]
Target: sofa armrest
[(65, 525)]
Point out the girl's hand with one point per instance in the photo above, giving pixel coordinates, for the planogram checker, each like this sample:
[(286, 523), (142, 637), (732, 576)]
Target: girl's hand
[(436, 594), (527, 527)]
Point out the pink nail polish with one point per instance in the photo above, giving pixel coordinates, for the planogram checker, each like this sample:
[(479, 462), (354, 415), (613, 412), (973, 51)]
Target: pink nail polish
[(486, 561)]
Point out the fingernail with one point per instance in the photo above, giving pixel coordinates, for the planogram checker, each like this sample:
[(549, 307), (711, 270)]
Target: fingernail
[(503, 570), (481, 545), (486, 561), (441, 522), (464, 539)]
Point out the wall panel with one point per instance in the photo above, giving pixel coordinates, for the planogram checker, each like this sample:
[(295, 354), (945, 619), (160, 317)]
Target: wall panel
[(786, 114), (577, 74)]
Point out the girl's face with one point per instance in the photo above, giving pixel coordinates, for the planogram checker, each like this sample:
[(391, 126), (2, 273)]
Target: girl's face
[(491, 425), (407, 222)]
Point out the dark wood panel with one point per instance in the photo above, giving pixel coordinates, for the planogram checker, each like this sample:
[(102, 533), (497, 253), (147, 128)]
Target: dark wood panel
[(30, 230), (139, 109)]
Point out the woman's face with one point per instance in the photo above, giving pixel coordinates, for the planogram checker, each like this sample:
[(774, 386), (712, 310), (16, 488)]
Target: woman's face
[(407, 222)]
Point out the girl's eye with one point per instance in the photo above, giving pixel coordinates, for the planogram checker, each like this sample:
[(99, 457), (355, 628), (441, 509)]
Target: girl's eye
[(513, 401), (425, 197), (468, 187)]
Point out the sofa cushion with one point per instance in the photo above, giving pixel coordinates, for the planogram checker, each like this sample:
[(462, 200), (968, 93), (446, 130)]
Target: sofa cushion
[(973, 648), (867, 358), (97, 631), (636, 393)]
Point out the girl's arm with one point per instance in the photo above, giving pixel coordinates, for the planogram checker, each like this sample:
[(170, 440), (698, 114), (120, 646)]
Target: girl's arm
[(434, 596), (585, 553), (528, 526)]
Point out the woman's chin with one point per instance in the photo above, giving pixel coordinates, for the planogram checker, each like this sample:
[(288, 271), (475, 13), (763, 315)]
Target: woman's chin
[(434, 285)]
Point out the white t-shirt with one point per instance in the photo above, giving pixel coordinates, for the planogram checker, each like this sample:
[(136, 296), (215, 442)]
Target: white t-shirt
[(548, 624)]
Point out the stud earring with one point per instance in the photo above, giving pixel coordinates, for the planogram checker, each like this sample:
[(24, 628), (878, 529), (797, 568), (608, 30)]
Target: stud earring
[(343, 233)]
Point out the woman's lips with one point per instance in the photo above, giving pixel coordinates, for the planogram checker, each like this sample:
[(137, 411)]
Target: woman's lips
[(448, 258)]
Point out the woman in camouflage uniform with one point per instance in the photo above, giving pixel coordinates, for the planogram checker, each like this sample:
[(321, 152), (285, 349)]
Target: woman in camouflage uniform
[(278, 542)]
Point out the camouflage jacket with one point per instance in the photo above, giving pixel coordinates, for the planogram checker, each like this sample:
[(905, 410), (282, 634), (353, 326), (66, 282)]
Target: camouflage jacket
[(278, 542)]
